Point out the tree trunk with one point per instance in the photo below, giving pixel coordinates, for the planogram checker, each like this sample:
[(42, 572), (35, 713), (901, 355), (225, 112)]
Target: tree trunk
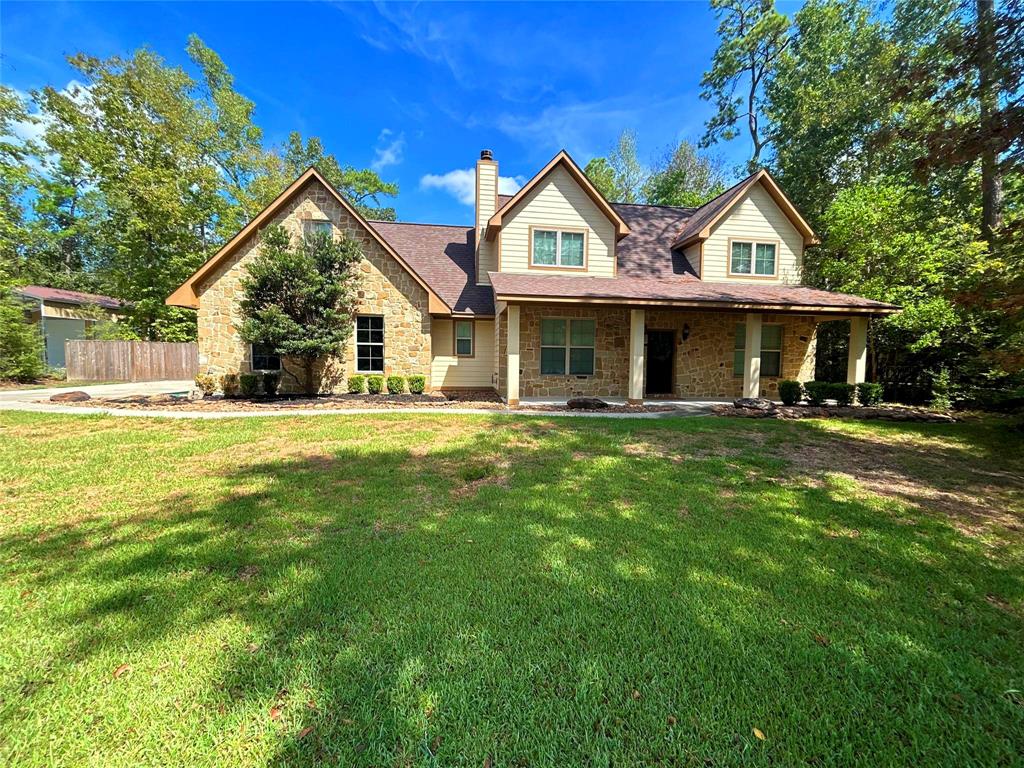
[(310, 384), (988, 99)]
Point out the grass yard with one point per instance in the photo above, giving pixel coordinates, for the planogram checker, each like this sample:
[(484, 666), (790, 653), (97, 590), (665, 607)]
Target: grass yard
[(491, 591)]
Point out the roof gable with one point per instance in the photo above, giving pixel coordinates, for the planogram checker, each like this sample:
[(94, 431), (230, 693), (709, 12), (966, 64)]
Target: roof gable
[(186, 295), (562, 160), (703, 220)]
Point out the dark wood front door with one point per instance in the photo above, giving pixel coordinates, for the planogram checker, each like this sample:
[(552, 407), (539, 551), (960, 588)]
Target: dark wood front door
[(661, 350)]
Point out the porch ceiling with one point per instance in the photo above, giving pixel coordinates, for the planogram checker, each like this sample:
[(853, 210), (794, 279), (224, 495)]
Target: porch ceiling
[(683, 292)]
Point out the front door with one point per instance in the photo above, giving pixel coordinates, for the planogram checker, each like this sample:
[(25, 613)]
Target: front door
[(661, 349)]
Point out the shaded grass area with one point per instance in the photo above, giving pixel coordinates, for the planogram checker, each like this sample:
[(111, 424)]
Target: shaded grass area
[(442, 590)]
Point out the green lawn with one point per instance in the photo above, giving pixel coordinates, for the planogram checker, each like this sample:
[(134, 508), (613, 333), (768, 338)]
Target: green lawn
[(439, 590)]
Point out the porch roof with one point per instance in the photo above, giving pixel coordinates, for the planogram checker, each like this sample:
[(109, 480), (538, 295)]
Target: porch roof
[(684, 291)]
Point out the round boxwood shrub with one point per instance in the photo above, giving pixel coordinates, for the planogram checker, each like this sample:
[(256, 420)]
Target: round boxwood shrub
[(842, 393), (817, 392), (374, 384), (271, 380), (356, 384), (869, 393), (249, 383), (396, 385), (417, 384), (790, 392)]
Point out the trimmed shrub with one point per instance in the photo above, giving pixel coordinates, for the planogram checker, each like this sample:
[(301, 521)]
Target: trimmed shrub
[(249, 383), (271, 380), (229, 384), (396, 385), (842, 392), (356, 385), (206, 383), (417, 384), (790, 392), (817, 392), (869, 393), (374, 384)]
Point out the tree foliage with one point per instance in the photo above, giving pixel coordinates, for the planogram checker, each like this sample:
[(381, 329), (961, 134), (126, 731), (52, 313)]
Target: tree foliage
[(143, 170), (680, 176), (300, 297)]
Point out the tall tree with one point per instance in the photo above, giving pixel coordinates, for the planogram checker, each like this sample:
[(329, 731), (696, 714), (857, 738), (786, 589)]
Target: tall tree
[(680, 176), (684, 177), (362, 187), (300, 297), (753, 35), (621, 175)]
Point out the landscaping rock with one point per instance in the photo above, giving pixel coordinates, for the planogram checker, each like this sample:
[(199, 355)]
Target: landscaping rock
[(586, 404), (77, 396), (754, 403), (196, 394)]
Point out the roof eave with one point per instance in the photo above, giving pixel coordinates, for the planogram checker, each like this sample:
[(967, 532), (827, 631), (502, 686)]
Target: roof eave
[(803, 309)]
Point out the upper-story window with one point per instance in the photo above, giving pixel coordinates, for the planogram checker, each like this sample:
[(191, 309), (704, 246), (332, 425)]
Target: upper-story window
[(558, 248), (752, 258), (317, 227)]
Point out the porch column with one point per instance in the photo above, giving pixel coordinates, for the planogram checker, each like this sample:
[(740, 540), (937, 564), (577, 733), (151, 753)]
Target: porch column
[(752, 357), (636, 357), (857, 361), (512, 366)]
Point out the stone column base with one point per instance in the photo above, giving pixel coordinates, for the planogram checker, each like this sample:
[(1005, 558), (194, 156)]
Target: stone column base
[(634, 401), (513, 403)]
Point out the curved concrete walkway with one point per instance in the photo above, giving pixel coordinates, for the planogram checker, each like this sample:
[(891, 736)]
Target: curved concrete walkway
[(38, 401)]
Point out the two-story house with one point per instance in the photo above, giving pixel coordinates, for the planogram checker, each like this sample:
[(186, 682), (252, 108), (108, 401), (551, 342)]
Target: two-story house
[(555, 292)]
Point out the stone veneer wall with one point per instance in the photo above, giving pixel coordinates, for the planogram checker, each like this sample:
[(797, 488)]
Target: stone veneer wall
[(386, 288), (703, 363)]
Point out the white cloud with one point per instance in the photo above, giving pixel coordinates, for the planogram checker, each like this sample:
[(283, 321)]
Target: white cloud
[(389, 151), (461, 184)]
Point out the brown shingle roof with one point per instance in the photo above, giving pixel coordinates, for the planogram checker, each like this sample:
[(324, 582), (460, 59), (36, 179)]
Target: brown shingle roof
[(647, 251), (61, 296), (444, 257), (681, 290)]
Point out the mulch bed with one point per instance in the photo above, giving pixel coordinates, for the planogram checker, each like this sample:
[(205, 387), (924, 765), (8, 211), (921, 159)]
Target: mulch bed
[(886, 412)]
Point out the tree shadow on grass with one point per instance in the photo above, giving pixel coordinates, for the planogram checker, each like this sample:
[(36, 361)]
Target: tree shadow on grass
[(544, 593)]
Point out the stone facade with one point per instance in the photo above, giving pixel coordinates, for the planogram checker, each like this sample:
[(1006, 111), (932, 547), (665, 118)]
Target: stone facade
[(386, 288), (703, 362)]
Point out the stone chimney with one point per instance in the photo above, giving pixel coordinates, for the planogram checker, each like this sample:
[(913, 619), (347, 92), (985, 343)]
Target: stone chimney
[(486, 205)]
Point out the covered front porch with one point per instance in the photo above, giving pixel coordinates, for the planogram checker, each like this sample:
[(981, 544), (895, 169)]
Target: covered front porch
[(656, 353)]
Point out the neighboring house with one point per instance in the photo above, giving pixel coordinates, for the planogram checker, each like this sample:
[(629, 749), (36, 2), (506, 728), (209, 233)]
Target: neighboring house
[(557, 292), (63, 315)]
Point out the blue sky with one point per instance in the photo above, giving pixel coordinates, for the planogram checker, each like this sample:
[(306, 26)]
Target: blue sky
[(416, 90)]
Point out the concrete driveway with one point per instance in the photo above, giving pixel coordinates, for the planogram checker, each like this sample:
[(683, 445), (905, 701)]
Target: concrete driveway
[(17, 398)]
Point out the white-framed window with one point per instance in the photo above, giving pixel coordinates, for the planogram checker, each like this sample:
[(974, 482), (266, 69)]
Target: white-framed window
[(771, 350), (464, 338), (753, 258), (312, 227), (264, 358), (567, 346), (558, 248), (369, 344)]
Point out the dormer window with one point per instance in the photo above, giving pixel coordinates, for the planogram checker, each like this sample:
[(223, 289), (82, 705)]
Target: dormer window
[(558, 248), (752, 259), (312, 227)]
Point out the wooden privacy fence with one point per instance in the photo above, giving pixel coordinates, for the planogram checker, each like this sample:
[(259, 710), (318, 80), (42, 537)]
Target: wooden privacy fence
[(130, 360)]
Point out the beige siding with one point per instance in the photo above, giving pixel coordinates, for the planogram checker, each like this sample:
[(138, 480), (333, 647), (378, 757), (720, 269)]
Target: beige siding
[(558, 202), (755, 218), (486, 205), (449, 371)]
